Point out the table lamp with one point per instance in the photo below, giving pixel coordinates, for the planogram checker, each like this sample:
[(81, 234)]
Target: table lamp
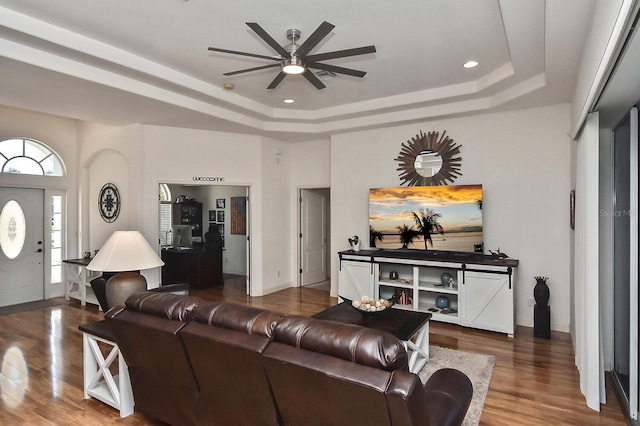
[(125, 252)]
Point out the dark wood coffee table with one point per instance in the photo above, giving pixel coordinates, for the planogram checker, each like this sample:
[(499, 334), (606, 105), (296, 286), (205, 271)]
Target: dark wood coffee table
[(410, 327)]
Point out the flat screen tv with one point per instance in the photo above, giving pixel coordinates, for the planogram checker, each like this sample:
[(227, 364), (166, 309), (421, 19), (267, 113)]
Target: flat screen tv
[(448, 217)]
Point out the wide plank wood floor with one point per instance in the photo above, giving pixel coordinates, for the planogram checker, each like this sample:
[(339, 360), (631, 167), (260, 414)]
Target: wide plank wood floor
[(534, 382)]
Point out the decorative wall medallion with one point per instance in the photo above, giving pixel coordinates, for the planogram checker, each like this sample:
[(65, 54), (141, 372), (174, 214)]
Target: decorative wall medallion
[(430, 159), (109, 202)]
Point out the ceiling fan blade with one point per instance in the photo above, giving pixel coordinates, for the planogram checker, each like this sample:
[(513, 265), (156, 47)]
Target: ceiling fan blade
[(268, 39), (253, 55), (277, 80), (313, 79), (336, 69), (315, 38), (342, 53), (251, 69)]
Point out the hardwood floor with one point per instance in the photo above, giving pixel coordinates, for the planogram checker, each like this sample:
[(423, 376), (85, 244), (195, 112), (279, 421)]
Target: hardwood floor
[(534, 382)]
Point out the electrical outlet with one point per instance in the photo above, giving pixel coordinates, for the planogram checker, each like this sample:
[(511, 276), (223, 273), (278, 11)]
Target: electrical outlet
[(530, 303)]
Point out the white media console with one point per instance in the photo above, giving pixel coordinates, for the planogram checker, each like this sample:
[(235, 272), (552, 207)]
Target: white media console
[(480, 293)]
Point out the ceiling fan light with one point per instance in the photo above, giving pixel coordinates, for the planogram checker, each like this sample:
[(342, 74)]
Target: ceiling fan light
[(293, 65)]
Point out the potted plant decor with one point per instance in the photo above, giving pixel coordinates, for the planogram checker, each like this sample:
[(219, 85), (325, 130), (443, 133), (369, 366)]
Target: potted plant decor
[(354, 242)]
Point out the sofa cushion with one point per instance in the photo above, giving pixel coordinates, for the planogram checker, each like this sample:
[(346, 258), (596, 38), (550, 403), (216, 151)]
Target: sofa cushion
[(353, 343), (224, 343), (168, 305), (312, 388), (162, 379), (240, 318), (323, 372)]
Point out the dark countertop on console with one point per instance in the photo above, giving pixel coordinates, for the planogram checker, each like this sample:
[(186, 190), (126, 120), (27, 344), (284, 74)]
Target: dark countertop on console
[(435, 255)]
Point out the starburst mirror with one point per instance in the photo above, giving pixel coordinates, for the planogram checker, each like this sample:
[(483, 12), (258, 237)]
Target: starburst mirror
[(429, 159)]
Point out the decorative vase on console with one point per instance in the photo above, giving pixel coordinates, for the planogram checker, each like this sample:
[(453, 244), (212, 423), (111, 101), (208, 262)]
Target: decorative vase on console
[(541, 291)]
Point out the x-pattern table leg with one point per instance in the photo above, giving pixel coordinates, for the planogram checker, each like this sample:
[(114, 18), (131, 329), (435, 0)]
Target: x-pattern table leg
[(418, 351), (99, 382)]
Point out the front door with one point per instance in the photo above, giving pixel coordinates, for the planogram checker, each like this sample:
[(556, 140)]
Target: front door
[(21, 245)]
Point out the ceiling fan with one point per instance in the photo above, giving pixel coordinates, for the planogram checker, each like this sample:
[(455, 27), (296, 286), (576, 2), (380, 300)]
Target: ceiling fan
[(295, 58)]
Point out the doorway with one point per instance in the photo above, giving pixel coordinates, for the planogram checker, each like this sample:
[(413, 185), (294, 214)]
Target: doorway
[(21, 245), (224, 207), (314, 245)]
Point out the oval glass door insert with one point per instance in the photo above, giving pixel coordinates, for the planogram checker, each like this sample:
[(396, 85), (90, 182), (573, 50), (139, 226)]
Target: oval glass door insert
[(14, 229)]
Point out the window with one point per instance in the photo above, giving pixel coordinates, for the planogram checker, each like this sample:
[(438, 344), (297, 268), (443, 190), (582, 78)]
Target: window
[(29, 157), (165, 214), (56, 238)]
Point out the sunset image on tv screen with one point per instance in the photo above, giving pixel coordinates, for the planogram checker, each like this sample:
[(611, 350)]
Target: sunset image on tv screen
[(447, 217)]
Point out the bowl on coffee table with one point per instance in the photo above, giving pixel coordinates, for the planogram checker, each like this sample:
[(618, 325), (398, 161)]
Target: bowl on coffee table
[(370, 307)]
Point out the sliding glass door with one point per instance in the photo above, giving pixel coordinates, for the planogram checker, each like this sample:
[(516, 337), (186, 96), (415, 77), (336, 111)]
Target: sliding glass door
[(625, 236)]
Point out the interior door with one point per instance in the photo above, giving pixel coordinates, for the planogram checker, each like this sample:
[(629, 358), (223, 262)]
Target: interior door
[(313, 242), (21, 245)]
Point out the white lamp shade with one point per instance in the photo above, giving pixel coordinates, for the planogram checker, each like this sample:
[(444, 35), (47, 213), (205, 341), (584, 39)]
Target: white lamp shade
[(125, 251)]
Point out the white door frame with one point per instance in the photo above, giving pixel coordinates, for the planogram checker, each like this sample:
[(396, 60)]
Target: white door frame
[(248, 218)]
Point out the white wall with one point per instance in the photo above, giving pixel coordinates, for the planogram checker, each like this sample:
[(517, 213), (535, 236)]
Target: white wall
[(101, 171), (522, 159), (107, 155), (311, 164), (277, 263)]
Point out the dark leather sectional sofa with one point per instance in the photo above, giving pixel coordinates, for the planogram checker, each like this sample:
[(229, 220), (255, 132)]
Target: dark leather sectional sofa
[(194, 362)]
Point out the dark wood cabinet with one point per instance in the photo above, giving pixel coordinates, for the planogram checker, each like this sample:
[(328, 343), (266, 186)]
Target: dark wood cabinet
[(189, 212), (198, 267)]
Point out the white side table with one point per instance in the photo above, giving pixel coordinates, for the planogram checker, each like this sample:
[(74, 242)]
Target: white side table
[(77, 281), (99, 382)]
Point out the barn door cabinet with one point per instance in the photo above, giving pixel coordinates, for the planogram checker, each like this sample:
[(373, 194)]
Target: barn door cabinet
[(468, 289)]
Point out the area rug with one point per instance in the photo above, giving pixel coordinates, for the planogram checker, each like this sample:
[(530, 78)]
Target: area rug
[(477, 367), (29, 306)]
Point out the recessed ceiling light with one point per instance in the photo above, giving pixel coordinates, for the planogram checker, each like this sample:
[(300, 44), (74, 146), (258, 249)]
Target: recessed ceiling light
[(229, 86), (288, 101), (470, 64)]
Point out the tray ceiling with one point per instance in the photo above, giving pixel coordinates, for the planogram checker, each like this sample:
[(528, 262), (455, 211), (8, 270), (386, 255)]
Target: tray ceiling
[(121, 62)]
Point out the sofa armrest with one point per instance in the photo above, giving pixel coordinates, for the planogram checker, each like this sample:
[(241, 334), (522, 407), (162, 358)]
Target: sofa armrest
[(449, 393), (442, 401)]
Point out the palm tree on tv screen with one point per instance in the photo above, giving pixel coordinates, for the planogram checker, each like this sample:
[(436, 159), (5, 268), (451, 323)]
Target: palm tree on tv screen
[(373, 236), (427, 223), (407, 234)]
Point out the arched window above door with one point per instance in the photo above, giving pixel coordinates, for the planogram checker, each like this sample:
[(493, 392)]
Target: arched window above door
[(165, 192), (29, 157)]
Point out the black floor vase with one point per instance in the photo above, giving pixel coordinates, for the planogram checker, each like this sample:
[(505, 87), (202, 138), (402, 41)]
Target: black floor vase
[(541, 291)]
